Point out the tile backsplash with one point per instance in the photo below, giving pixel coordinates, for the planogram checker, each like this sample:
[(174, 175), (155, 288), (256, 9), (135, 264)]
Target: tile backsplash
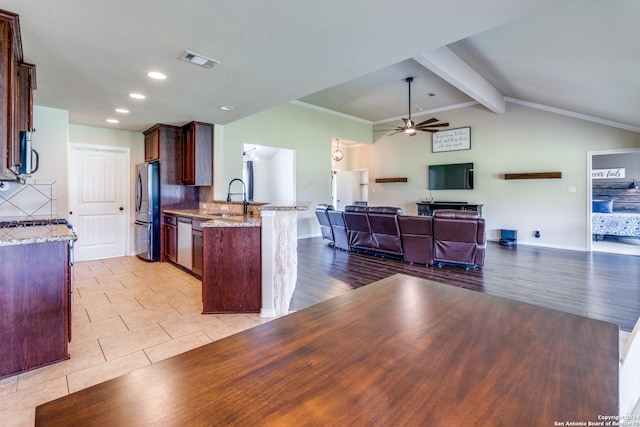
[(35, 199)]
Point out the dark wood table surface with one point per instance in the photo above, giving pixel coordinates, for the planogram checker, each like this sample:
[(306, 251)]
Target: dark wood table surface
[(401, 351)]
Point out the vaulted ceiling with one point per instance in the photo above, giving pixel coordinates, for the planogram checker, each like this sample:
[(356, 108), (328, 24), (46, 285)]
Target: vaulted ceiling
[(575, 56)]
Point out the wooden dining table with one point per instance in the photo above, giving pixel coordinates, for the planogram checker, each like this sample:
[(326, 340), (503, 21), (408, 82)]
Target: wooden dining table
[(402, 351)]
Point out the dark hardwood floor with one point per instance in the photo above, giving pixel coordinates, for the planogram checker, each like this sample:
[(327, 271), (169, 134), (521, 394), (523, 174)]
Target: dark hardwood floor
[(596, 285)]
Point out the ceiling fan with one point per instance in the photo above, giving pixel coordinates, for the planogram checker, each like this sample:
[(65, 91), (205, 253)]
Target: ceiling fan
[(410, 127)]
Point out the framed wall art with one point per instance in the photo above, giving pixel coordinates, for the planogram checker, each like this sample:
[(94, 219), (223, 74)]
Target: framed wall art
[(451, 140)]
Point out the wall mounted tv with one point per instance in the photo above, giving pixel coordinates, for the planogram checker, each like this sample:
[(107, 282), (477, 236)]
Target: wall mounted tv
[(458, 176)]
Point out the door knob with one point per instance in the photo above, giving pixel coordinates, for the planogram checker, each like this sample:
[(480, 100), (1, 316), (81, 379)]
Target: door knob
[(121, 208)]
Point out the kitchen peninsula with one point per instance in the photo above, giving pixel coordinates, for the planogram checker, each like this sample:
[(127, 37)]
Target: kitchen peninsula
[(35, 296), (249, 262)]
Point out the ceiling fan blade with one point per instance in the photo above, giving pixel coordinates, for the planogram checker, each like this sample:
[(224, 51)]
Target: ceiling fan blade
[(426, 122), (429, 130), (389, 130), (438, 125)]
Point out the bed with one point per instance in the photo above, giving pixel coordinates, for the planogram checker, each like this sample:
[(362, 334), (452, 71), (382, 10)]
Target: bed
[(606, 222)]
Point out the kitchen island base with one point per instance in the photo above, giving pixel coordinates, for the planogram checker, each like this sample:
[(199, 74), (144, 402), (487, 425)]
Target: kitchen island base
[(35, 306), (231, 277)]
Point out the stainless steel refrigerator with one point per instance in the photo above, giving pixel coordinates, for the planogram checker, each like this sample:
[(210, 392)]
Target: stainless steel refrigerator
[(147, 225)]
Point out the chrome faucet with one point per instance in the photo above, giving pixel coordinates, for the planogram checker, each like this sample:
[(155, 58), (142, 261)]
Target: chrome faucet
[(244, 194)]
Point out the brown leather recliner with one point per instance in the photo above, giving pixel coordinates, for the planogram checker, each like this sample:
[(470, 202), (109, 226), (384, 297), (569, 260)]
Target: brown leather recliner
[(356, 219), (385, 232), (416, 233), (339, 229), (323, 219), (459, 238)]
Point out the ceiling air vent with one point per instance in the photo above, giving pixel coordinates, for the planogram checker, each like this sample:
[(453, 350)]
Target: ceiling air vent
[(200, 60)]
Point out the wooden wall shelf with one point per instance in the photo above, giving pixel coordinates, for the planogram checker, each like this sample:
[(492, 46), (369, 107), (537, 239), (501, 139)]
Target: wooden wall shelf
[(383, 180), (533, 175)]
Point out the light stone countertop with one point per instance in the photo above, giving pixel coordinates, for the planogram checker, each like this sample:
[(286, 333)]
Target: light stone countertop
[(218, 219), (35, 234), (286, 206)]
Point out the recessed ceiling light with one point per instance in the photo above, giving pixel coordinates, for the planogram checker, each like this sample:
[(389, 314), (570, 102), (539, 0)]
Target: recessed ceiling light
[(122, 111), (113, 121), (156, 75), (137, 96), (226, 107)]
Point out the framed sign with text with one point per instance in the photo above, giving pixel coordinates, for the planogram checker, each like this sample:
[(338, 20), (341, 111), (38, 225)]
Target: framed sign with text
[(451, 140), (612, 173)]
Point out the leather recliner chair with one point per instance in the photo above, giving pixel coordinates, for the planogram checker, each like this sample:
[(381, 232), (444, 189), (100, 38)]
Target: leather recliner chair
[(358, 229), (339, 229), (323, 219), (459, 238), (416, 233), (385, 232)]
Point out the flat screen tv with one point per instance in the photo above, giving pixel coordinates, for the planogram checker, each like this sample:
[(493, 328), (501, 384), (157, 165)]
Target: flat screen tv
[(458, 176)]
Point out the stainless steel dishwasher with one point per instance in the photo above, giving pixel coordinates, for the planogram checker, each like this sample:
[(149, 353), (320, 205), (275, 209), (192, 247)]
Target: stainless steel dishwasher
[(185, 253)]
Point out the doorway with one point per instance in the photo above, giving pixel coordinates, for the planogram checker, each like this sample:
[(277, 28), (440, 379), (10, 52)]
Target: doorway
[(611, 178), (349, 173), (99, 181), (349, 188), (269, 173)]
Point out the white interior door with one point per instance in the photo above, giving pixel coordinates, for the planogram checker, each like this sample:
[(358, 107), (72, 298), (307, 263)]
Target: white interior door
[(99, 200), (342, 189)]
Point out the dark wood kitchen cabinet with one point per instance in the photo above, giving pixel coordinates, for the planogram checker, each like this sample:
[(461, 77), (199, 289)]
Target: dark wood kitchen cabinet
[(35, 305), (232, 270), (197, 154), (170, 237), (17, 81), (152, 146)]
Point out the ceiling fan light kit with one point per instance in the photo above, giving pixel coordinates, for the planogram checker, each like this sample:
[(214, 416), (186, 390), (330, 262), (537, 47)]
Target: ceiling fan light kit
[(410, 127)]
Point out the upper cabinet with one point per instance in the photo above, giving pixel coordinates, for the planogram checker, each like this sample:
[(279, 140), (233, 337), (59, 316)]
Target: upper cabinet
[(197, 154), (163, 143), (152, 145), (17, 81)]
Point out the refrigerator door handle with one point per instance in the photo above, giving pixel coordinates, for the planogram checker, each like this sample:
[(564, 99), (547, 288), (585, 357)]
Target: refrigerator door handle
[(138, 193)]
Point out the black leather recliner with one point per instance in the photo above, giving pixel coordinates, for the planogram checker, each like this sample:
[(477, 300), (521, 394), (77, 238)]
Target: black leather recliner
[(323, 219), (459, 238), (417, 238), (358, 229), (339, 228), (385, 232)]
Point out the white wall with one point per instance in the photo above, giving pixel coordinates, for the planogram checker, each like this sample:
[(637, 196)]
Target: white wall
[(291, 126), (50, 141), (522, 140), (262, 180), (283, 176)]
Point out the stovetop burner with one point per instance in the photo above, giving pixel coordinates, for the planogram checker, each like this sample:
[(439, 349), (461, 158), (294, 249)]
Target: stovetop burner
[(32, 222)]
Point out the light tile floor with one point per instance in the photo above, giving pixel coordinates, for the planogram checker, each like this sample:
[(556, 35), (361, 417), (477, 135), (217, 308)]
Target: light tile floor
[(127, 314)]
